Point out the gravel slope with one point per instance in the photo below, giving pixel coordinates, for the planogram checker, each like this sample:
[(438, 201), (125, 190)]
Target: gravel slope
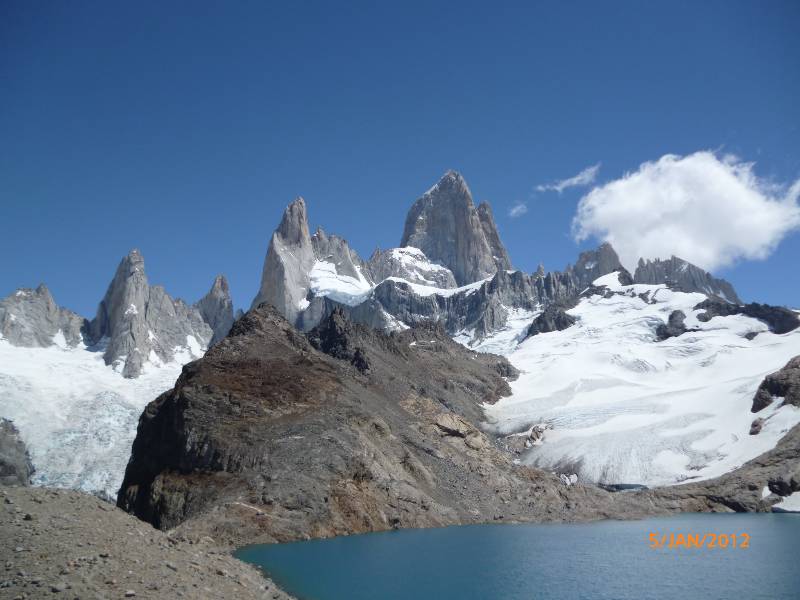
[(65, 544)]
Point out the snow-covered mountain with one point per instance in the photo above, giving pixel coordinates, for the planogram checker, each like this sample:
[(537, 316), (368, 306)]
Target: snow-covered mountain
[(618, 405), (75, 388), (626, 379)]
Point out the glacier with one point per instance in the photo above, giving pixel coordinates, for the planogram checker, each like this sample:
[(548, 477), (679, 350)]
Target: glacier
[(621, 407), (77, 415)]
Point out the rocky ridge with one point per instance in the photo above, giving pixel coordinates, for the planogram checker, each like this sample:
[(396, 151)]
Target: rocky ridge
[(276, 435), (135, 323), (684, 276)]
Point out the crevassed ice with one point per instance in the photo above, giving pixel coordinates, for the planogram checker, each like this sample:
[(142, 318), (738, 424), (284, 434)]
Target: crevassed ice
[(76, 414), (627, 409)]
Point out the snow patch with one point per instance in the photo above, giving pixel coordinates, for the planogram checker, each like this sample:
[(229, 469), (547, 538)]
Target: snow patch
[(326, 281)]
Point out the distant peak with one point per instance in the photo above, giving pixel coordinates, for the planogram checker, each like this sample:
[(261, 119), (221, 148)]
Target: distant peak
[(221, 284), (294, 224)]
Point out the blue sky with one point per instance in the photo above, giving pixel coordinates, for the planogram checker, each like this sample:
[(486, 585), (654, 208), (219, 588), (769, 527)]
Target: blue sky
[(184, 128)]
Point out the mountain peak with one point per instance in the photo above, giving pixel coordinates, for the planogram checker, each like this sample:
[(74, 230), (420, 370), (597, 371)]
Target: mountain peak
[(216, 309), (447, 227), (290, 257)]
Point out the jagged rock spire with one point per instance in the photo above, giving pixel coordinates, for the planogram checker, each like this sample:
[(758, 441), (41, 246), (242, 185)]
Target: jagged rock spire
[(447, 227), (216, 308), (290, 258), (141, 323)]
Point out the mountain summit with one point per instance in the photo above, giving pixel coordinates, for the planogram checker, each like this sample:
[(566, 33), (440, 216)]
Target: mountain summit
[(447, 227)]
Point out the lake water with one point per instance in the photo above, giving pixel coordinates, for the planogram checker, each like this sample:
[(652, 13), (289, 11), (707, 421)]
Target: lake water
[(607, 559)]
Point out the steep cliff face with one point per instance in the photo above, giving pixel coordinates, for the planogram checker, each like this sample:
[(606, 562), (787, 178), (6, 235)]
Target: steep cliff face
[(447, 227), (216, 309), (31, 318), (285, 280), (499, 252), (684, 276)]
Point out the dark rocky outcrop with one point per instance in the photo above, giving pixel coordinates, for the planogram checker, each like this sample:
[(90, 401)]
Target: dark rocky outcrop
[(447, 227), (268, 438), (683, 276), (781, 384), (15, 462), (779, 319), (334, 336), (592, 264), (552, 318), (32, 318), (674, 326), (136, 320), (267, 419)]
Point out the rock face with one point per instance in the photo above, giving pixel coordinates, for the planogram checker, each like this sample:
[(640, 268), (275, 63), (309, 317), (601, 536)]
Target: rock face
[(319, 446), (778, 319), (15, 463), (275, 436), (674, 326), (290, 257), (499, 252), (553, 318), (216, 309), (782, 384), (139, 323), (683, 276), (32, 318), (447, 227), (595, 263)]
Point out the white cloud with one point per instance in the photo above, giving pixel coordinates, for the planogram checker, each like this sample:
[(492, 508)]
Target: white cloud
[(519, 209), (709, 210), (585, 177)]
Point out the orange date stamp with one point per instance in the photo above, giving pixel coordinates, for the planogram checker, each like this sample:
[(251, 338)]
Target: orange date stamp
[(697, 540)]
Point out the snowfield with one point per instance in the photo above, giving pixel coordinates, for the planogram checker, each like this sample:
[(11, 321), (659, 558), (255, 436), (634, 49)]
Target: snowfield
[(625, 408), (76, 414)]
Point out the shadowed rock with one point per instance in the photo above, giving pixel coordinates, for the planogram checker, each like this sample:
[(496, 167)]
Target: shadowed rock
[(674, 326), (781, 384), (552, 318), (779, 320), (15, 462)]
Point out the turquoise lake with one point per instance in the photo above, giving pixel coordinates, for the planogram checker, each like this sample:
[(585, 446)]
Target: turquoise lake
[(606, 559)]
